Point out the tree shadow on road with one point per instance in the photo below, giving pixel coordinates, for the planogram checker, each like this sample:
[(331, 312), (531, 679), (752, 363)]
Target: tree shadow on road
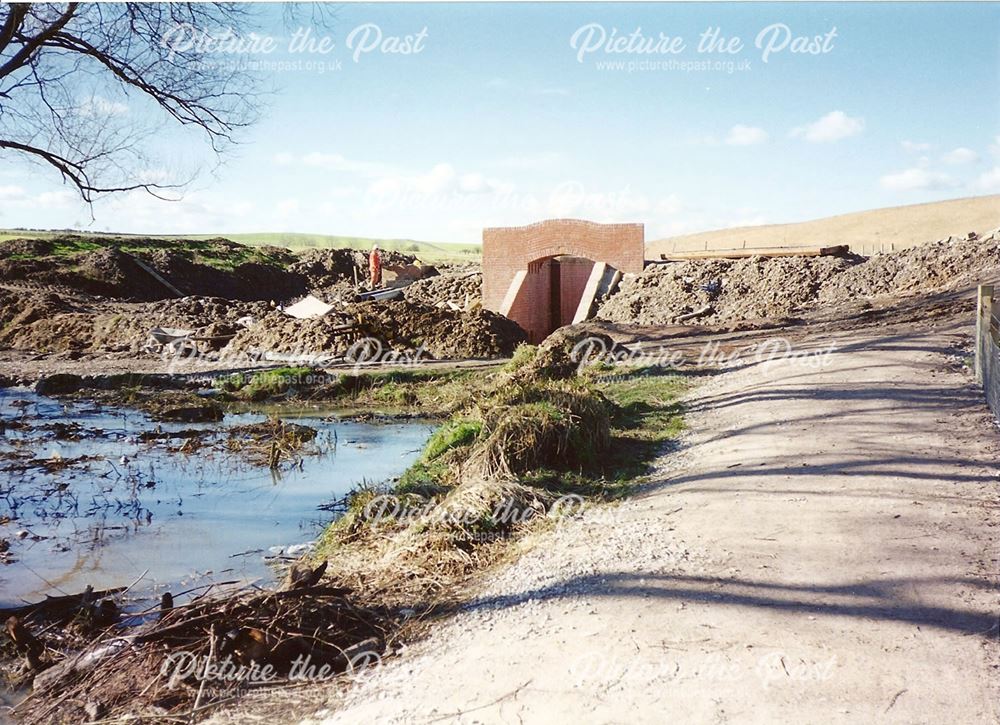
[(864, 599)]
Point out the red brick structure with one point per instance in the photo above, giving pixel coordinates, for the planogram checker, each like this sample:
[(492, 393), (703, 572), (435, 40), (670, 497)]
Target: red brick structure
[(536, 274)]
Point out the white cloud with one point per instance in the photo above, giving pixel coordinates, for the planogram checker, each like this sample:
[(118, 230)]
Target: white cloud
[(11, 193), (61, 198), (833, 126), (989, 180), (995, 146), (917, 179), (337, 162), (17, 197), (332, 162), (915, 147), (100, 107), (441, 180), (740, 135), (961, 155), (194, 213)]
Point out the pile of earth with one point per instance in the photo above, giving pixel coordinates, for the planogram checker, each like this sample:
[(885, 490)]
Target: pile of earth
[(928, 267), (740, 289), (464, 289), (108, 267), (323, 268), (399, 326), (781, 287), (48, 322)]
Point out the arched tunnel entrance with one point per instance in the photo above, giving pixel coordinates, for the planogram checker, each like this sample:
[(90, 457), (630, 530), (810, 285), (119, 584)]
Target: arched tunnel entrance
[(547, 275), (550, 294)]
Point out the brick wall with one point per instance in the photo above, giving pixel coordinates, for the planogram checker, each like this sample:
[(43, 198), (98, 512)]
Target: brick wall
[(506, 250)]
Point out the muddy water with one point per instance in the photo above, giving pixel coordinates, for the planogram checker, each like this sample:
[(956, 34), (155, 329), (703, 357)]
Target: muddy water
[(93, 504)]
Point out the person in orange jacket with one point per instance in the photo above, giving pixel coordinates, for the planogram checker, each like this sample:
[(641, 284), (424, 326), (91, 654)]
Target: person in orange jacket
[(375, 267)]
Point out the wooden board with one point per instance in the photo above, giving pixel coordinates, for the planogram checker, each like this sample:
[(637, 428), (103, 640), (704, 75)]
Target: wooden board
[(838, 250)]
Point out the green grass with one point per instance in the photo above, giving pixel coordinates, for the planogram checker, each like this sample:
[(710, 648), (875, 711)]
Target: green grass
[(426, 251), (196, 250), (646, 417), (453, 434), (265, 384), (430, 392)]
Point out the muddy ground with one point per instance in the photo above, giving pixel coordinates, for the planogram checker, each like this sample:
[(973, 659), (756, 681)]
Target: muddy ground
[(80, 303), (89, 300), (732, 293)]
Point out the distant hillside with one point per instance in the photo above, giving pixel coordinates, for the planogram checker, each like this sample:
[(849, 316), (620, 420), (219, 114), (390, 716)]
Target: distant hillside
[(866, 231), (426, 251)]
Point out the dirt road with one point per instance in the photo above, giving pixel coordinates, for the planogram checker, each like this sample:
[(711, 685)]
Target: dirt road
[(823, 549)]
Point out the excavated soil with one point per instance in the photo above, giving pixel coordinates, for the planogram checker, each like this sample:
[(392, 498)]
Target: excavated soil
[(464, 289), (741, 290), (87, 304), (216, 267), (932, 266), (399, 325), (322, 268), (49, 322), (66, 298)]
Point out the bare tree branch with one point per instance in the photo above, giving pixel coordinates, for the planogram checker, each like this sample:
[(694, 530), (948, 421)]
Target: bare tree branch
[(82, 85)]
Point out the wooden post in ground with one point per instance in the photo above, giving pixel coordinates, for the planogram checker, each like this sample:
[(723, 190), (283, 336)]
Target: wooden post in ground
[(984, 311)]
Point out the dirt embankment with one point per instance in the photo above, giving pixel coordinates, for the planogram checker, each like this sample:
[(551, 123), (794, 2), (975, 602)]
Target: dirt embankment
[(739, 290), (85, 297), (463, 289), (49, 322), (399, 325), (113, 267)]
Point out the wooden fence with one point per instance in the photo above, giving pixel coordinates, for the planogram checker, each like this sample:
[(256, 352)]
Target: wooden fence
[(988, 347)]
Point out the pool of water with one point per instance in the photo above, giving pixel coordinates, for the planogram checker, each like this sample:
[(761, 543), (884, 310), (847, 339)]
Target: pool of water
[(90, 502)]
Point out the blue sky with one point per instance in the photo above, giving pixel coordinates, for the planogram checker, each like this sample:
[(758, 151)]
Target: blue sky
[(498, 120)]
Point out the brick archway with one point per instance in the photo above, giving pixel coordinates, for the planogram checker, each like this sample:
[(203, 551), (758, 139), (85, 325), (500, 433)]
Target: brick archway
[(535, 273)]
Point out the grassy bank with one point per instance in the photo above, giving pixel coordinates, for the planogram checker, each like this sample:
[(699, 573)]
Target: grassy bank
[(199, 251), (504, 463), (432, 393), (518, 442)]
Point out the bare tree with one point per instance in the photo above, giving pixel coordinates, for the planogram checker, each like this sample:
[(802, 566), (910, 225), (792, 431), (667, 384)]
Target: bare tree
[(87, 88)]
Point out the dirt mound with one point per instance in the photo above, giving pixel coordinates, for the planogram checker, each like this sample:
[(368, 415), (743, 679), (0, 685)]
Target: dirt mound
[(931, 266), (47, 322), (108, 267), (398, 325), (733, 290), (756, 288), (323, 268), (110, 272), (444, 333), (463, 289), (25, 248), (246, 281), (561, 355)]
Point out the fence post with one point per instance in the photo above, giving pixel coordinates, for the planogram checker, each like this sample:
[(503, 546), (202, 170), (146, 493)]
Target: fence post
[(984, 311)]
